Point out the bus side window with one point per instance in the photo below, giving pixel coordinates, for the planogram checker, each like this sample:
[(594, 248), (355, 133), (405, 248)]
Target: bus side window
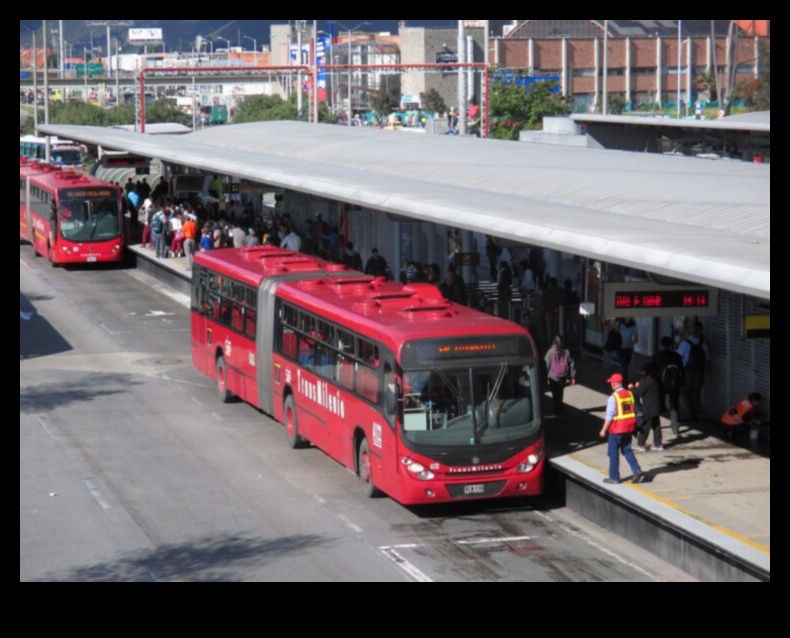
[(250, 317), (289, 344), (345, 372), (367, 383), (368, 352), (325, 362), (306, 351)]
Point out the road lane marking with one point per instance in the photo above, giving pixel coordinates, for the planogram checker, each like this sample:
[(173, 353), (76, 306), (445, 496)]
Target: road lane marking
[(405, 565), (96, 493)]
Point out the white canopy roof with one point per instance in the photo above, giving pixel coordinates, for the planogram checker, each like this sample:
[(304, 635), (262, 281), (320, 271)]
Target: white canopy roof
[(699, 220)]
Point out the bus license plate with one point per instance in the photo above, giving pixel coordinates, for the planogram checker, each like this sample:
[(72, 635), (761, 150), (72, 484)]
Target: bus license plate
[(477, 488), (92, 258)]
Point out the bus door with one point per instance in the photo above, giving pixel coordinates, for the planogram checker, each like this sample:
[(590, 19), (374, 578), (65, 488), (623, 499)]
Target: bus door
[(30, 231), (269, 378), (384, 434)]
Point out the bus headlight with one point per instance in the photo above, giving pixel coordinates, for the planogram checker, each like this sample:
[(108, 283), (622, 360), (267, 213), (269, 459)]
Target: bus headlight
[(417, 470), (531, 462)]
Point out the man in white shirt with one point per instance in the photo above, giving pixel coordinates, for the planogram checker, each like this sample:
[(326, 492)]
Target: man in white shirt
[(291, 241)]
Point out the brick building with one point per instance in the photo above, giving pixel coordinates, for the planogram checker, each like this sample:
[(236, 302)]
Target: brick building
[(642, 63)]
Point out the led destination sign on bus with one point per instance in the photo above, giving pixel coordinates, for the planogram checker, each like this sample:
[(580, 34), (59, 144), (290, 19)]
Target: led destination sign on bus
[(93, 192), (435, 350)]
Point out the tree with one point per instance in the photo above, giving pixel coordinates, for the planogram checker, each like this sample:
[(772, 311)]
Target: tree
[(514, 109), (706, 82), (82, 113), (266, 108), (757, 92), (433, 102), (166, 111), (386, 100), (616, 103)]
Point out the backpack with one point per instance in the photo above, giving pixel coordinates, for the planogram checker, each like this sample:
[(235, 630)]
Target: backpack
[(696, 361), (558, 366), (158, 222), (672, 378), (614, 340)]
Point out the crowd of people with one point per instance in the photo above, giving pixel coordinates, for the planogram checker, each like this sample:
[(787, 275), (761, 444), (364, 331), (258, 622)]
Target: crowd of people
[(181, 229), (671, 382)]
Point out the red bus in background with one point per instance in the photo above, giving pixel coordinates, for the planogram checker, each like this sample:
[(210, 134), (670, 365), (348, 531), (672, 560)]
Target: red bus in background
[(69, 217), (425, 400)]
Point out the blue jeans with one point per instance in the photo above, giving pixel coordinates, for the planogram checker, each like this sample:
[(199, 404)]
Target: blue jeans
[(621, 443), (160, 246)]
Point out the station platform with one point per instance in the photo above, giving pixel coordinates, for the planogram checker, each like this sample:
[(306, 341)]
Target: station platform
[(705, 503)]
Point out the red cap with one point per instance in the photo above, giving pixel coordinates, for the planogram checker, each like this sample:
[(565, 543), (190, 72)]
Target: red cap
[(615, 378)]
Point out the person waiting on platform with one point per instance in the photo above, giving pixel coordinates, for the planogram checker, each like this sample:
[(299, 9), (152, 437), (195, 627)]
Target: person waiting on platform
[(744, 417)]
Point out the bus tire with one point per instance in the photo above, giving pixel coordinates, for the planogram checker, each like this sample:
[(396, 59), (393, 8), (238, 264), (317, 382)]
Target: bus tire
[(225, 395), (365, 470), (295, 440)]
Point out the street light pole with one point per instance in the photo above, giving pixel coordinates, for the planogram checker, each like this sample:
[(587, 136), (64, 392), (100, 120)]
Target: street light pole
[(462, 98), (604, 106), (348, 112), (47, 146), (34, 64), (315, 71), (680, 59), (350, 32), (227, 51), (61, 56), (255, 48)]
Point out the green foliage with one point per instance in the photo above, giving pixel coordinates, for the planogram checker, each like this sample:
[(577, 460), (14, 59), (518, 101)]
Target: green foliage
[(616, 103), (514, 110), (433, 102), (86, 114), (757, 93), (165, 111), (266, 108), (324, 115), (386, 100), (81, 113)]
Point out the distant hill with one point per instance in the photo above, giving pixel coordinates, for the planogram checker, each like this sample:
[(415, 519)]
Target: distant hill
[(180, 34)]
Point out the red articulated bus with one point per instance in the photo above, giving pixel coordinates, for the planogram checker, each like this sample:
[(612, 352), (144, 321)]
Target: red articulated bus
[(69, 217), (425, 400)]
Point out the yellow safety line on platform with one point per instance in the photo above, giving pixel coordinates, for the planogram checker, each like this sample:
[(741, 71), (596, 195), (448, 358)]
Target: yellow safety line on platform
[(682, 510)]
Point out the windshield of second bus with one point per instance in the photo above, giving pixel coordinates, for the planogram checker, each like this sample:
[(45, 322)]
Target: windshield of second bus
[(89, 218), (470, 406), (68, 156)]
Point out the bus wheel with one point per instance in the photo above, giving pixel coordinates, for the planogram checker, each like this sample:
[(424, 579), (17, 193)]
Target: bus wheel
[(365, 463), (51, 256), (295, 441), (225, 395)]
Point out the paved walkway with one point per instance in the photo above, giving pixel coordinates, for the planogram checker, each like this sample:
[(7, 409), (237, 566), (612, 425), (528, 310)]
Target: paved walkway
[(702, 483), (714, 490)]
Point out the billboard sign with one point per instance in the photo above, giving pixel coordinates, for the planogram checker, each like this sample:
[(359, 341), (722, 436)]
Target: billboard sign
[(322, 52), (145, 35)]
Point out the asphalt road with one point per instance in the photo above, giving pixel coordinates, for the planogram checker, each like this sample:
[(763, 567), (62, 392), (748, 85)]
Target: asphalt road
[(131, 470)]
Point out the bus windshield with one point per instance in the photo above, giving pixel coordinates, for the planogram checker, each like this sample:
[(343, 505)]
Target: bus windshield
[(66, 156), (470, 406), (88, 218)]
